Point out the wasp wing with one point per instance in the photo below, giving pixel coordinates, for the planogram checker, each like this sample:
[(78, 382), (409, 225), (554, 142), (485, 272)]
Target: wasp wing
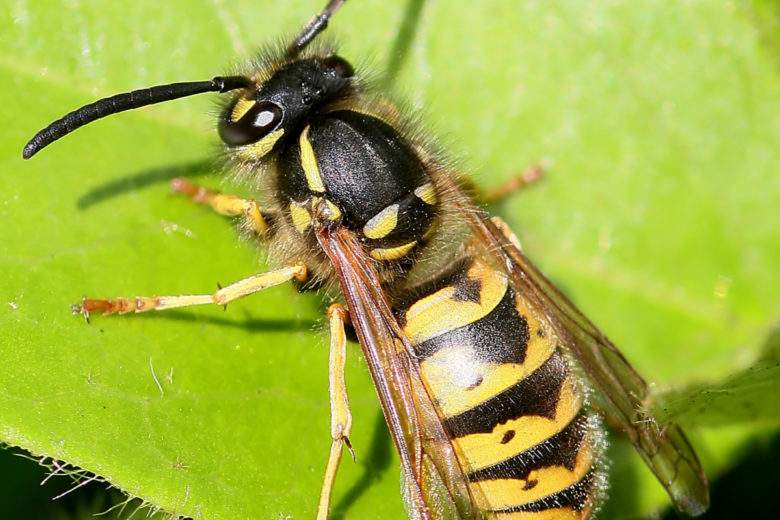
[(435, 487), (622, 394)]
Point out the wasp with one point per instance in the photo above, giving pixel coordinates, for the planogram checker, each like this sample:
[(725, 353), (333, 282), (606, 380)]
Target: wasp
[(494, 386)]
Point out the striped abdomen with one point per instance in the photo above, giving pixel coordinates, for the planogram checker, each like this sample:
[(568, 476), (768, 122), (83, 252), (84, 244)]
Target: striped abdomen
[(504, 391)]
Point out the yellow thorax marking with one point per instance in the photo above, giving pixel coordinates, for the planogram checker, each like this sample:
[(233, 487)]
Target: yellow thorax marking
[(382, 223), (260, 148), (300, 216), (309, 163), (426, 193), (392, 253), (441, 312), (242, 107)]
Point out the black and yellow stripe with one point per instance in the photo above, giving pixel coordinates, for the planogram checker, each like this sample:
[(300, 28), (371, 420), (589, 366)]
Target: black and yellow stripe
[(406, 221), (505, 394)]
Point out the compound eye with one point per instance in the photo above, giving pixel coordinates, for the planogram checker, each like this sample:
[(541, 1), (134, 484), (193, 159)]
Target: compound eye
[(340, 66), (248, 121)]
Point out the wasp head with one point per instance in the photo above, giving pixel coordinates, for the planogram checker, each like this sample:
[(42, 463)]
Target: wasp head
[(258, 118)]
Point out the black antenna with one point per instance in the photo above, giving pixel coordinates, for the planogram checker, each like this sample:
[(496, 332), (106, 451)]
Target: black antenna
[(128, 101), (315, 26)]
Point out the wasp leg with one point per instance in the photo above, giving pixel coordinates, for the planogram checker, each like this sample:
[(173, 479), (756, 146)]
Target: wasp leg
[(224, 204), (224, 295), (513, 185), (340, 415)]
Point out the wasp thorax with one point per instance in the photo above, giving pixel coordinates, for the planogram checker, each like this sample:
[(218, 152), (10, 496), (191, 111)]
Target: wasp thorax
[(358, 170), (256, 120)]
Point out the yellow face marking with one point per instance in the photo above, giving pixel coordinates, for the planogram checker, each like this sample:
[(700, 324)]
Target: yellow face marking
[(261, 148), (309, 164), (426, 193), (485, 449), (242, 107), (439, 312), (392, 253), (300, 216), (382, 223), (505, 493), (448, 374)]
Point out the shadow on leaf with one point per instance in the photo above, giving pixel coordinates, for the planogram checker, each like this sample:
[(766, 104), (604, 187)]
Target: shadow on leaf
[(377, 461), (143, 179), (403, 40), (624, 481), (748, 489), (743, 397), (248, 323), (765, 17)]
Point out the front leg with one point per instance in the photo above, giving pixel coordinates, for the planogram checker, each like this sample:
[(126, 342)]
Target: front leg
[(254, 219), (340, 415), (224, 295)]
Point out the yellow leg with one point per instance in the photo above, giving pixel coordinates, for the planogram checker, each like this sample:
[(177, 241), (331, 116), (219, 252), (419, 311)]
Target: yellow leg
[(340, 415), (513, 185), (227, 205), (224, 295)]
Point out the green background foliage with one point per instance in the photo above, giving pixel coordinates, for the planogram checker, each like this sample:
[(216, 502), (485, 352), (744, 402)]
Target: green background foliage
[(660, 125)]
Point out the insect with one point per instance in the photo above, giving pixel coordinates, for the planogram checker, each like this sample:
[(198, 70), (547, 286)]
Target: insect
[(493, 385)]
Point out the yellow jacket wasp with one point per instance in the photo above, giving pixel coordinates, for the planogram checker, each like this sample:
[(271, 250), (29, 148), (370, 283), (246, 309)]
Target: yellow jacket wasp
[(491, 382)]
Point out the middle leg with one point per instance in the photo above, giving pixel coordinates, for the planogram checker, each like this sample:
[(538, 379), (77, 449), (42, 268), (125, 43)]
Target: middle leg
[(340, 415)]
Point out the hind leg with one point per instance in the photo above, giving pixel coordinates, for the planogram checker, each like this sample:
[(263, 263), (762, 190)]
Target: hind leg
[(340, 415), (513, 185)]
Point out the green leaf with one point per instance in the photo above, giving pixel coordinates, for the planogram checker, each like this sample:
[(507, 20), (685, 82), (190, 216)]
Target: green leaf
[(660, 125), (739, 398)]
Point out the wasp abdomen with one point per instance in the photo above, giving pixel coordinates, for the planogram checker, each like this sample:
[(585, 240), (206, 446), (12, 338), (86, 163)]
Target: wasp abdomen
[(505, 394)]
